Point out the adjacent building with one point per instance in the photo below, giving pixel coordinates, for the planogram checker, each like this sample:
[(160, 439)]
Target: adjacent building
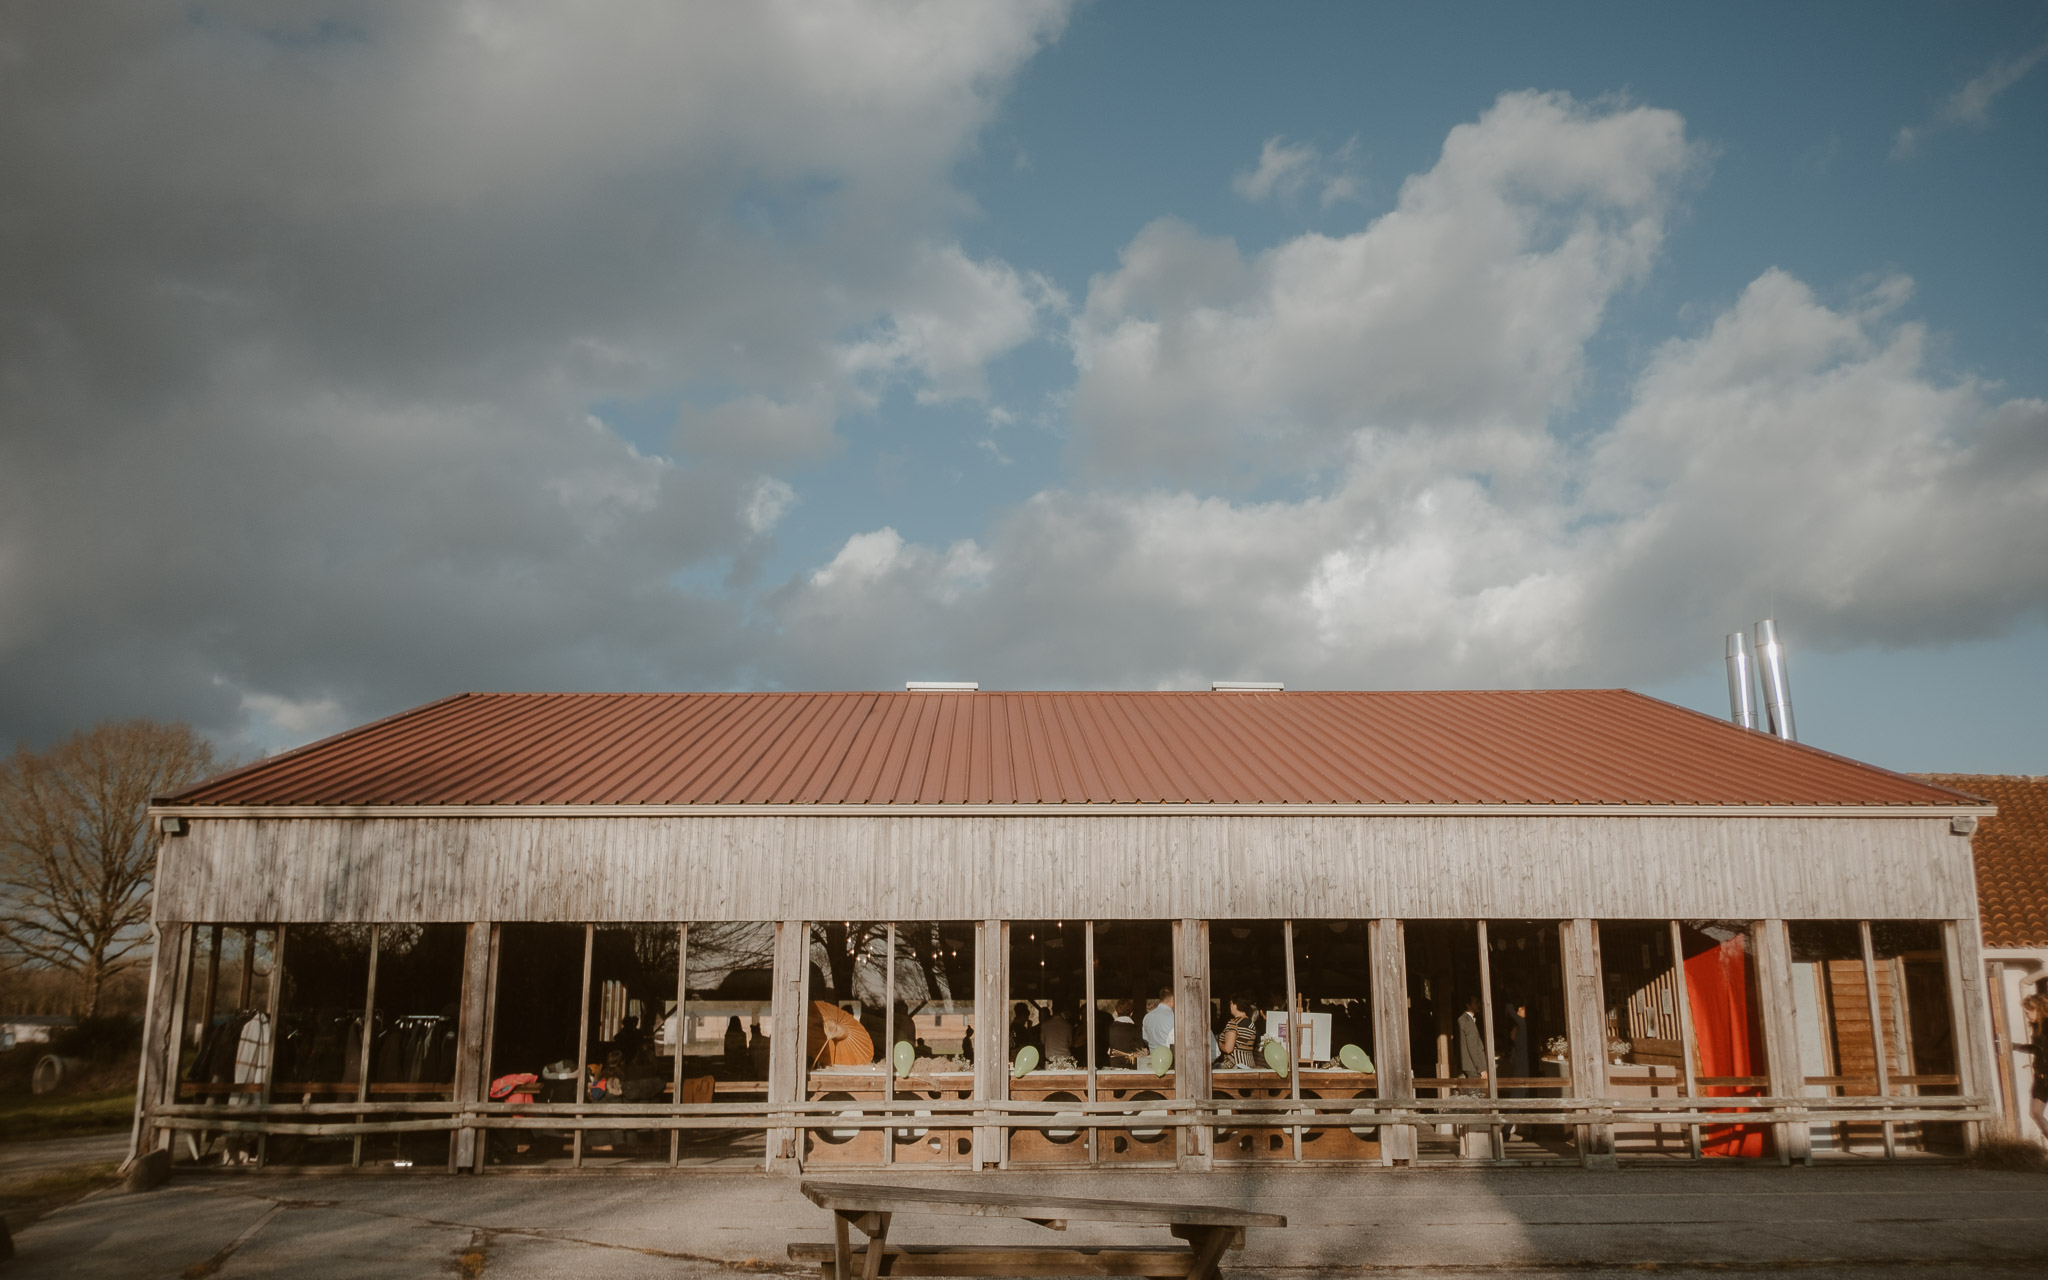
[(2012, 893)]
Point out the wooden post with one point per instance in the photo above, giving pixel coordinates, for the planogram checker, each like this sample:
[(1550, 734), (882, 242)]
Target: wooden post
[(1191, 1035), (1962, 950), (163, 1033), (1390, 1033), (888, 1045), (991, 1030), (1088, 1017), (488, 1035), (682, 1036), (1586, 1016), (583, 1046), (272, 997), (1495, 1140), (1293, 1025), (1884, 1073), (369, 1040), (1692, 1083), (469, 1033), (2001, 1048), (786, 1041), (1780, 1018)]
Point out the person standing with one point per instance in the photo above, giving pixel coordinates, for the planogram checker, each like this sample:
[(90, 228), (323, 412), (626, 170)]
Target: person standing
[(1472, 1063), (1517, 1054), (2036, 1008), (1158, 1026)]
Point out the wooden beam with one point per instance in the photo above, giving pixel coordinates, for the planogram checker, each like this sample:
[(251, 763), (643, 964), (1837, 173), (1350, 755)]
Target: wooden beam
[(1780, 1017), (163, 1034), (1191, 1036), (991, 1032), (1586, 1016), (786, 1041), (2001, 1048), (1962, 949), (1390, 1033), (469, 1041)]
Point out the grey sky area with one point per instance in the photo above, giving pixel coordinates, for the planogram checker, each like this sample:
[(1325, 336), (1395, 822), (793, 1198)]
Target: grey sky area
[(355, 355)]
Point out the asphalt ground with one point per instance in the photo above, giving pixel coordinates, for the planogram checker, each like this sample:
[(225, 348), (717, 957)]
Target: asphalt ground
[(1821, 1222)]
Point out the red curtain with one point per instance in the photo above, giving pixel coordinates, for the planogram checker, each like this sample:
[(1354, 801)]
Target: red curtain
[(1717, 982)]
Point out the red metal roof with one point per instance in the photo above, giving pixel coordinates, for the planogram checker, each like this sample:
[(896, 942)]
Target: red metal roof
[(1590, 747), (2012, 857)]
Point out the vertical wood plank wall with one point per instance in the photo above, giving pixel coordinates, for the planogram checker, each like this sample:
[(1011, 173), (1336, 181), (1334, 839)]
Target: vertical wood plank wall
[(1057, 867)]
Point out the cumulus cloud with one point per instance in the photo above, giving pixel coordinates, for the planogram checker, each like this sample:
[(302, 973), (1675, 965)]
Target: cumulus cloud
[(1466, 309), (1792, 451), (312, 313), (1970, 105)]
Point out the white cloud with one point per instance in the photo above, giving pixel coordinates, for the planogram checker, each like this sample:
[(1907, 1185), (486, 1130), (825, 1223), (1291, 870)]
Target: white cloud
[(1286, 169), (1971, 104), (1792, 455), (1465, 309), (770, 500), (955, 315)]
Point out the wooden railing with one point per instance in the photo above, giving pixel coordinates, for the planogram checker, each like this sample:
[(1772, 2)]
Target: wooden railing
[(330, 1119)]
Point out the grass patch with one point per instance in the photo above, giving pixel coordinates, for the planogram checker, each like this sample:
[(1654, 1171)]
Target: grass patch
[(25, 1117)]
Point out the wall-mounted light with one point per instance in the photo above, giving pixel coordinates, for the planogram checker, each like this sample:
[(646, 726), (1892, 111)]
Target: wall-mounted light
[(171, 825)]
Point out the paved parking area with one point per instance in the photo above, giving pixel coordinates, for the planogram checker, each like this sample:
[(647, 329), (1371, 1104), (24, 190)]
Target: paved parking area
[(1821, 1222)]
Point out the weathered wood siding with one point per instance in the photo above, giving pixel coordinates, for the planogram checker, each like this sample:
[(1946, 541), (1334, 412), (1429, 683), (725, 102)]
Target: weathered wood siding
[(1060, 867)]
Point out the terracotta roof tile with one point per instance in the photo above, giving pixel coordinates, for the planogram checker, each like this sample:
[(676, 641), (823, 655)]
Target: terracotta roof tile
[(2012, 856), (1591, 747)]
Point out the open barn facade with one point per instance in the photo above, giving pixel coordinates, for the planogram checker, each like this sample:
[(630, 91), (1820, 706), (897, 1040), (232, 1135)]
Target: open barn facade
[(975, 930)]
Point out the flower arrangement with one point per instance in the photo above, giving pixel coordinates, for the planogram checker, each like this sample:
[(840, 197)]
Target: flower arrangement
[(1618, 1049), (1555, 1047)]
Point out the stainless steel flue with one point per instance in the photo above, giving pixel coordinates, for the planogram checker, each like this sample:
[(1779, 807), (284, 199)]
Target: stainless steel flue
[(1770, 669), (1741, 684)]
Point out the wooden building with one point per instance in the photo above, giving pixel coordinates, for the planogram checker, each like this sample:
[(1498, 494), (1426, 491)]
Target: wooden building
[(2012, 892), (967, 929)]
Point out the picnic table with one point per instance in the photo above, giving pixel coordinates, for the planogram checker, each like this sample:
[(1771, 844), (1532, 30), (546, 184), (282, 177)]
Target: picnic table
[(1207, 1231)]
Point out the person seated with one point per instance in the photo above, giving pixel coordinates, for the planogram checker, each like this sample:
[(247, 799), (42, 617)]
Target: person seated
[(1022, 1030), (1123, 1043), (1056, 1038), (1237, 1049)]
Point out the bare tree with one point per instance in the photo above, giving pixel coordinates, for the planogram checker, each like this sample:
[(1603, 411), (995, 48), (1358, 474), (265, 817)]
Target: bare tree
[(77, 857)]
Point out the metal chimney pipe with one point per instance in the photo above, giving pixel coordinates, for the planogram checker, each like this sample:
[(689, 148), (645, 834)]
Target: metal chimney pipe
[(1741, 685), (1770, 668)]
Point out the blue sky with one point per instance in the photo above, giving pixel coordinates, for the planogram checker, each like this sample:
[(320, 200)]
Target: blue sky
[(1116, 345)]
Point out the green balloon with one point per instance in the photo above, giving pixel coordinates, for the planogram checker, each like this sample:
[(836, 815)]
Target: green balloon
[(1276, 1057), (1027, 1062), (1162, 1060), (906, 1058), (1355, 1059)]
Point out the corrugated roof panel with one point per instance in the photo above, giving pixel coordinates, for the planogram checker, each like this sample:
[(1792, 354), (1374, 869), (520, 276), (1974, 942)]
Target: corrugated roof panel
[(1591, 747)]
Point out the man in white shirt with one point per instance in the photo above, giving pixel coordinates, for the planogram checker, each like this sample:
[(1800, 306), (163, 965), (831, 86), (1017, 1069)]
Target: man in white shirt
[(1158, 1027)]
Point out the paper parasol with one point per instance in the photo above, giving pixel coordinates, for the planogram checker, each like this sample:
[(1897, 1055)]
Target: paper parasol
[(836, 1036)]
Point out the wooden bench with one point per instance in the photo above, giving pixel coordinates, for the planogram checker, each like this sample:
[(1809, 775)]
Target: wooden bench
[(1207, 1230)]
